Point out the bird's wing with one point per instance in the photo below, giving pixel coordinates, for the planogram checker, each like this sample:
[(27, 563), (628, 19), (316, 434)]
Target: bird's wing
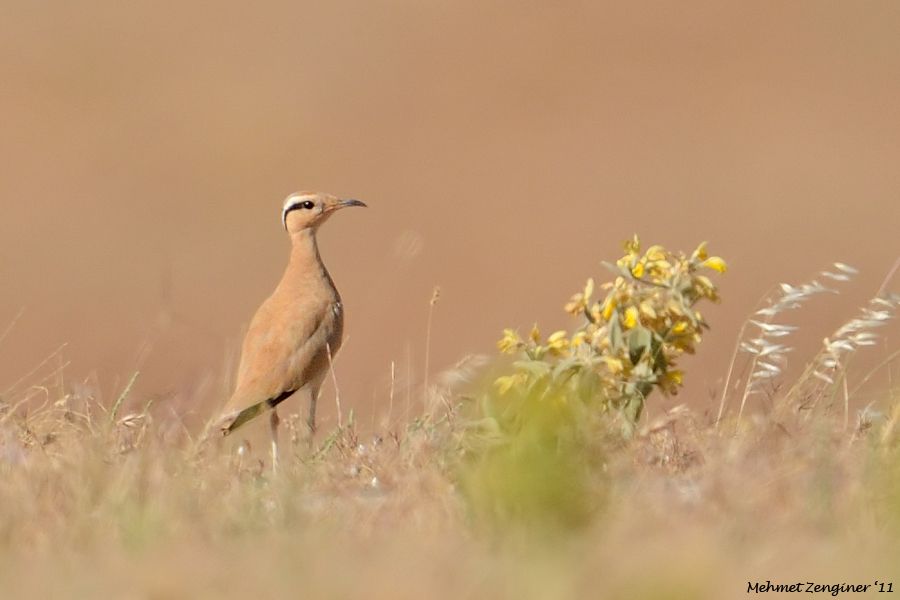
[(279, 354)]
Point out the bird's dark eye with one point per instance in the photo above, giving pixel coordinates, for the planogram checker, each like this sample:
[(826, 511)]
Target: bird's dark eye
[(308, 205)]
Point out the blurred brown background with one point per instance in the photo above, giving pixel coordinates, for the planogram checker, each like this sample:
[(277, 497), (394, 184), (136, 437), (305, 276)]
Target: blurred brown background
[(504, 148)]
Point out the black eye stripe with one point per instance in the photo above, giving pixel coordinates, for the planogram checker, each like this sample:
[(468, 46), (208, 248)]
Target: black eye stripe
[(306, 205)]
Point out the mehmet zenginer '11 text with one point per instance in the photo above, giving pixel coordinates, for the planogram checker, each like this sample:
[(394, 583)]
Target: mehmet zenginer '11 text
[(819, 588)]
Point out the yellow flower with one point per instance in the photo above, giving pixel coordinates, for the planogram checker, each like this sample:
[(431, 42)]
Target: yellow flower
[(608, 307), (674, 308), (535, 334), (579, 301), (638, 270), (670, 381), (659, 269), (631, 317), (632, 246), (647, 310), (575, 304), (704, 283), (557, 341), (655, 253), (679, 327), (700, 253), (510, 342), (614, 365), (578, 338), (716, 264)]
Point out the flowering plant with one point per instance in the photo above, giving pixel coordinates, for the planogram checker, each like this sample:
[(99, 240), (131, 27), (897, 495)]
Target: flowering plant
[(630, 337)]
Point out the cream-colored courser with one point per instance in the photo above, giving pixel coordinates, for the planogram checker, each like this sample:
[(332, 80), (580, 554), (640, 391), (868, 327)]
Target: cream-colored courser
[(297, 331)]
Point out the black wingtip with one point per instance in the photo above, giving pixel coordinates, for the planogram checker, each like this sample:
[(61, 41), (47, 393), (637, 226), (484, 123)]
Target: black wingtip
[(242, 417)]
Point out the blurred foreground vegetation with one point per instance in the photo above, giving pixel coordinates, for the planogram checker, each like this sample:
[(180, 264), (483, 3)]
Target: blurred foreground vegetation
[(550, 476)]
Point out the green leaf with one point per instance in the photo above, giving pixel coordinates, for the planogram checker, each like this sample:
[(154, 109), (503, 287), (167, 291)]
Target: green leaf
[(615, 333), (639, 340), (643, 372), (567, 364), (633, 408), (537, 368), (659, 357)]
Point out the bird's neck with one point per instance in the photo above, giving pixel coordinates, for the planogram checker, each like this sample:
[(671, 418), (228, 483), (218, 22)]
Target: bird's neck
[(305, 265)]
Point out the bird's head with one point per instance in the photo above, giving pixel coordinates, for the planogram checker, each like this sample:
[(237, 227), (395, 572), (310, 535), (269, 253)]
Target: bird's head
[(308, 210)]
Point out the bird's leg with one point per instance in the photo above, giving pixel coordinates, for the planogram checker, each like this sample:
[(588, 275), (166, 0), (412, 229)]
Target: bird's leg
[(311, 417), (273, 427)]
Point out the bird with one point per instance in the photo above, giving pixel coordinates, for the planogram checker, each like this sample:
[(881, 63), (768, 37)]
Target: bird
[(297, 331)]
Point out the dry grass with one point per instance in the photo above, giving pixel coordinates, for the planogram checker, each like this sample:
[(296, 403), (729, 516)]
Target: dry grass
[(97, 503)]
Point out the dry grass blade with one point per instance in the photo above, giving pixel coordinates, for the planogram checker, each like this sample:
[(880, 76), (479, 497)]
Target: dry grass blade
[(764, 345), (122, 397), (12, 325), (31, 373), (828, 367)]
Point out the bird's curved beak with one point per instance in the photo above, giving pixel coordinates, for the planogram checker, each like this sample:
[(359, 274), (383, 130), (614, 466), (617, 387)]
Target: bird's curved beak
[(346, 203)]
